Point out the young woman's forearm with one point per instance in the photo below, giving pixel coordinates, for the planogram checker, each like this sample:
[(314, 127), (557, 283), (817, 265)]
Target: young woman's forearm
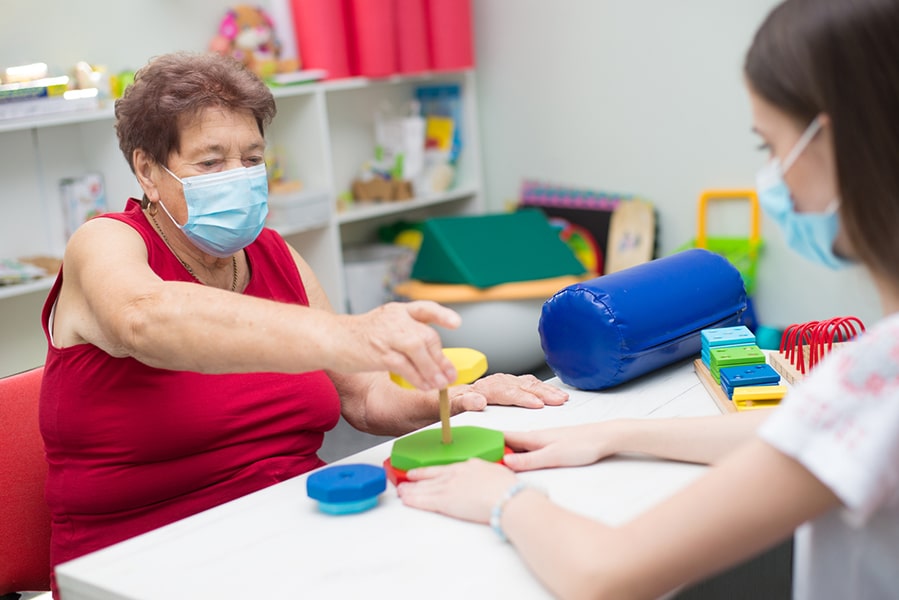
[(703, 440)]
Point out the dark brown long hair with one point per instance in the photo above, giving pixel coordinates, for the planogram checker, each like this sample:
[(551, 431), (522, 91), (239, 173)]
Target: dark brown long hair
[(841, 57), (173, 88)]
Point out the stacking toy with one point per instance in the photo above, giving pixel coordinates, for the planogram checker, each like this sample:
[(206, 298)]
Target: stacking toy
[(346, 489), (448, 444)]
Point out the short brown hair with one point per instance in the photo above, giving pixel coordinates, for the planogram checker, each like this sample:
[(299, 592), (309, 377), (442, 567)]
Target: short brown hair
[(841, 57), (173, 88)]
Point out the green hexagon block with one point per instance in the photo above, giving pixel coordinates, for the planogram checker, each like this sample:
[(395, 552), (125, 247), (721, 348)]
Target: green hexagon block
[(425, 448)]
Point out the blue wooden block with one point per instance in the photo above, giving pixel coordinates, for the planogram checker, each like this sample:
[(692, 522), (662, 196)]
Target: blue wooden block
[(727, 336), (758, 374)]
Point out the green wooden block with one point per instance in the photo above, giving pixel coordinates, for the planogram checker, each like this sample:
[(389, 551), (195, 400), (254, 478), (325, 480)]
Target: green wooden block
[(733, 356), (426, 448), (487, 250)]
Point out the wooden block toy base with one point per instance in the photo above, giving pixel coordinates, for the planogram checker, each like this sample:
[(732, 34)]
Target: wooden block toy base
[(425, 448), (725, 404), (705, 377), (789, 372)]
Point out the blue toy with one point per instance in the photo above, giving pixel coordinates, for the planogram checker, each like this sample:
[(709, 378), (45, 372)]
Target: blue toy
[(608, 330), (748, 375), (346, 489), (724, 337)]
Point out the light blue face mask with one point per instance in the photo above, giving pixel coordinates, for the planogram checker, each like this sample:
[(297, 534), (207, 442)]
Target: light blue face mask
[(811, 235), (225, 211)]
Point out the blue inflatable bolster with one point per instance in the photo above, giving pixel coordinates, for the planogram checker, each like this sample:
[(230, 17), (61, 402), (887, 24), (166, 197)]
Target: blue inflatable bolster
[(603, 332)]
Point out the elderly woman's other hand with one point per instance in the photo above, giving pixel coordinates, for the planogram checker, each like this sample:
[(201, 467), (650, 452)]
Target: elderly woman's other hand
[(509, 390)]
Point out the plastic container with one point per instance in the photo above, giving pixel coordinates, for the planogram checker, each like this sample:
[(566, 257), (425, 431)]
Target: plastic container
[(372, 271), (298, 211), (320, 28), (412, 53), (372, 43), (450, 34)]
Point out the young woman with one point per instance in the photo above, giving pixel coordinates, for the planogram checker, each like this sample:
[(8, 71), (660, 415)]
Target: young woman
[(823, 80)]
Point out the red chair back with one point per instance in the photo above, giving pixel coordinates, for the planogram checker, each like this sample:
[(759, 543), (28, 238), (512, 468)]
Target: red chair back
[(24, 516)]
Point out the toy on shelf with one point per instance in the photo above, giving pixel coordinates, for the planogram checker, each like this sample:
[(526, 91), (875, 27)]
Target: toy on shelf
[(399, 156), (247, 33), (496, 270), (448, 444), (82, 198), (804, 345), (30, 90), (742, 252), (278, 182), (608, 232)]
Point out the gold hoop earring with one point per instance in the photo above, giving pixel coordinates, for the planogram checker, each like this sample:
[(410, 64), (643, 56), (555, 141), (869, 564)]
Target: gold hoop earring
[(152, 209)]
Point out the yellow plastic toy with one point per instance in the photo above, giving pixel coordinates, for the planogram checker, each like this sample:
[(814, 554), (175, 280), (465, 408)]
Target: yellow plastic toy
[(752, 397), (449, 445), (470, 364), (742, 252)]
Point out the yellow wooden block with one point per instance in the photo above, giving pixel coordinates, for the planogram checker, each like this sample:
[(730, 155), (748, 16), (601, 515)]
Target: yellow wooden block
[(470, 364), (752, 397)]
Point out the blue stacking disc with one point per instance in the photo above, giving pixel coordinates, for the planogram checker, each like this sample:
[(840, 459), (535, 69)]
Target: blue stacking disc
[(344, 489), (347, 508)]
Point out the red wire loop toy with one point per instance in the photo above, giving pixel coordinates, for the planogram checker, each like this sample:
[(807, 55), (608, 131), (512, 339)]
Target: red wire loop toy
[(805, 345)]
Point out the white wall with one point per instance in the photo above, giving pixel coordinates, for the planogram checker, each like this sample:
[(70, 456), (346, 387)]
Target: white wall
[(120, 34), (646, 97)]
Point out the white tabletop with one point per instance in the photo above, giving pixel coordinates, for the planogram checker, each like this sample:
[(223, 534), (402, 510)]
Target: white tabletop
[(275, 543)]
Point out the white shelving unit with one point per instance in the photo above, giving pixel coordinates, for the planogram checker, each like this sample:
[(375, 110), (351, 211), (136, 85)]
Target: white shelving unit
[(323, 133)]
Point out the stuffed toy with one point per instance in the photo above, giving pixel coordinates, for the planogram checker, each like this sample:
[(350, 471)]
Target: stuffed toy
[(247, 33)]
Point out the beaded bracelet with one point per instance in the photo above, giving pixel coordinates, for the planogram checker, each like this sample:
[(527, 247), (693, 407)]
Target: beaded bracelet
[(497, 513)]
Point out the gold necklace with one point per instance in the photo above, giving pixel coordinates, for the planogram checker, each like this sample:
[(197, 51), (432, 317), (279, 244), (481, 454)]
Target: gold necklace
[(187, 266)]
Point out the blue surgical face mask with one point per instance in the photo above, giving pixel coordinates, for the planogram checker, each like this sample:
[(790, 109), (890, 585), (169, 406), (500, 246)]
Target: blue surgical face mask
[(811, 235), (225, 211)]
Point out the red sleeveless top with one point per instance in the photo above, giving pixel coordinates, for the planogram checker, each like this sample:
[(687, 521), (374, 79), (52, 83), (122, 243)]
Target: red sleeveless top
[(132, 447)]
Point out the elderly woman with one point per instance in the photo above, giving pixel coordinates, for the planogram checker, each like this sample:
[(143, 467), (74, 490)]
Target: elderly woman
[(193, 356)]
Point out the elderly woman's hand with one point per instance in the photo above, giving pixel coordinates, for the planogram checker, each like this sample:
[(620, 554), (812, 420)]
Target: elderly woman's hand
[(396, 337), (508, 390)]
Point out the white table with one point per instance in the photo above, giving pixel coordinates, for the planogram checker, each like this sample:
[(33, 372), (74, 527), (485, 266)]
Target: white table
[(276, 544)]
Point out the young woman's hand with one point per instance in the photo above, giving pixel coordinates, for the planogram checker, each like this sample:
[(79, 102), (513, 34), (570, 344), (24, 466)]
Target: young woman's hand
[(560, 447), (466, 490)]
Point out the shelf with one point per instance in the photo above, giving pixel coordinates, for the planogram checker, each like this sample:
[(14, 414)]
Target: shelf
[(20, 289), (382, 209), (63, 118), (107, 109), (324, 131), (355, 83)]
